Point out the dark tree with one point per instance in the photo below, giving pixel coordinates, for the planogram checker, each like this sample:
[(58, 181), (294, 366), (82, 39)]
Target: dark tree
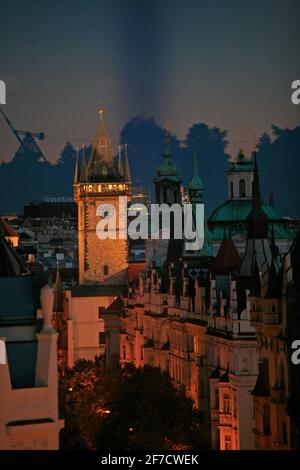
[(125, 408)]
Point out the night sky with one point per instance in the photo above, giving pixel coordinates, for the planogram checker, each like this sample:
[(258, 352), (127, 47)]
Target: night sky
[(226, 63)]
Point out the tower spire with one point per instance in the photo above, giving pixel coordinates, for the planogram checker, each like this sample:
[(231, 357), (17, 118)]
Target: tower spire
[(196, 185), (83, 166), (101, 161), (127, 166), (120, 163), (257, 220), (76, 176), (167, 139)]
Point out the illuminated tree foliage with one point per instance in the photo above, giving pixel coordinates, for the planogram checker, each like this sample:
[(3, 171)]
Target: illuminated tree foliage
[(125, 408)]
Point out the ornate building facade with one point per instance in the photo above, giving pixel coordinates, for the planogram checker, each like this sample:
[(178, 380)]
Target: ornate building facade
[(190, 315)]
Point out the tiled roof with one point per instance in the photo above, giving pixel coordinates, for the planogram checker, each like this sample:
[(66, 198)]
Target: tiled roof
[(227, 259), (6, 229)]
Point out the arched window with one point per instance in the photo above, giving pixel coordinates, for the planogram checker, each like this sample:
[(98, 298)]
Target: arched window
[(242, 188)]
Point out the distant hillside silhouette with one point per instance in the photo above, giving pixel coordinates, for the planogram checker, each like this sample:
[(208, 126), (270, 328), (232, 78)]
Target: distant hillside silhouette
[(26, 177)]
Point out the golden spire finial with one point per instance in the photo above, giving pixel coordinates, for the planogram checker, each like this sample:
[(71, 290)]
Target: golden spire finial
[(101, 110)]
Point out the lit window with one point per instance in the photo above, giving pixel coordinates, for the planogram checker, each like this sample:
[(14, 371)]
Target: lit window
[(227, 443), (226, 404)]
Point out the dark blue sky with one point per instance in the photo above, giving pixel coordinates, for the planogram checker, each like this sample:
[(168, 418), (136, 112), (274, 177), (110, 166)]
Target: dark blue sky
[(227, 63)]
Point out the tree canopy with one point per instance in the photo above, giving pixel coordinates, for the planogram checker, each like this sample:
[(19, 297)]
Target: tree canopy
[(125, 408)]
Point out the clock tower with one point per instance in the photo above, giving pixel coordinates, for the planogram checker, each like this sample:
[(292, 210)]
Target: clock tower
[(101, 182)]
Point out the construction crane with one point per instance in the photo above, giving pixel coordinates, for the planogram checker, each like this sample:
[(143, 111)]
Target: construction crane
[(18, 133)]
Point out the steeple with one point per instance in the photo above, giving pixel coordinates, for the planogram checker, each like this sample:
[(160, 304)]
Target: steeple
[(101, 162), (196, 184), (196, 197), (257, 220), (76, 176), (127, 166), (168, 180), (258, 248), (120, 163), (83, 167)]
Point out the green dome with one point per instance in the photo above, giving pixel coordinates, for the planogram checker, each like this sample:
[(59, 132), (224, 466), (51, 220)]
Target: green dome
[(232, 216)]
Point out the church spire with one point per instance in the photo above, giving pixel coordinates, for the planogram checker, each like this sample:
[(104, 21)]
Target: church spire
[(120, 163), (257, 220), (101, 162), (127, 166), (76, 176), (196, 185), (83, 166)]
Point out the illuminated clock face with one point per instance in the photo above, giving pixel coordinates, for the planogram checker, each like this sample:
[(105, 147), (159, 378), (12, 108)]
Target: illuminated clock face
[(107, 210)]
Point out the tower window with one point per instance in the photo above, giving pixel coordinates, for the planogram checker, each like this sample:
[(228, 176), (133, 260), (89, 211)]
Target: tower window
[(231, 190), (226, 404), (105, 270), (102, 338), (100, 311), (242, 188)]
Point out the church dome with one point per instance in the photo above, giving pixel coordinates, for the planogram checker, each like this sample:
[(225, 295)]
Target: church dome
[(231, 217)]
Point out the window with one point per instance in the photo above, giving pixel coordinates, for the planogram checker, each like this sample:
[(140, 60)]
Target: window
[(244, 367), (273, 309), (124, 351), (242, 188), (100, 311), (217, 399), (231, 190), (105, 270), (284, 433), (102, 338), (266, 420), (227, 443), (226, 404)]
